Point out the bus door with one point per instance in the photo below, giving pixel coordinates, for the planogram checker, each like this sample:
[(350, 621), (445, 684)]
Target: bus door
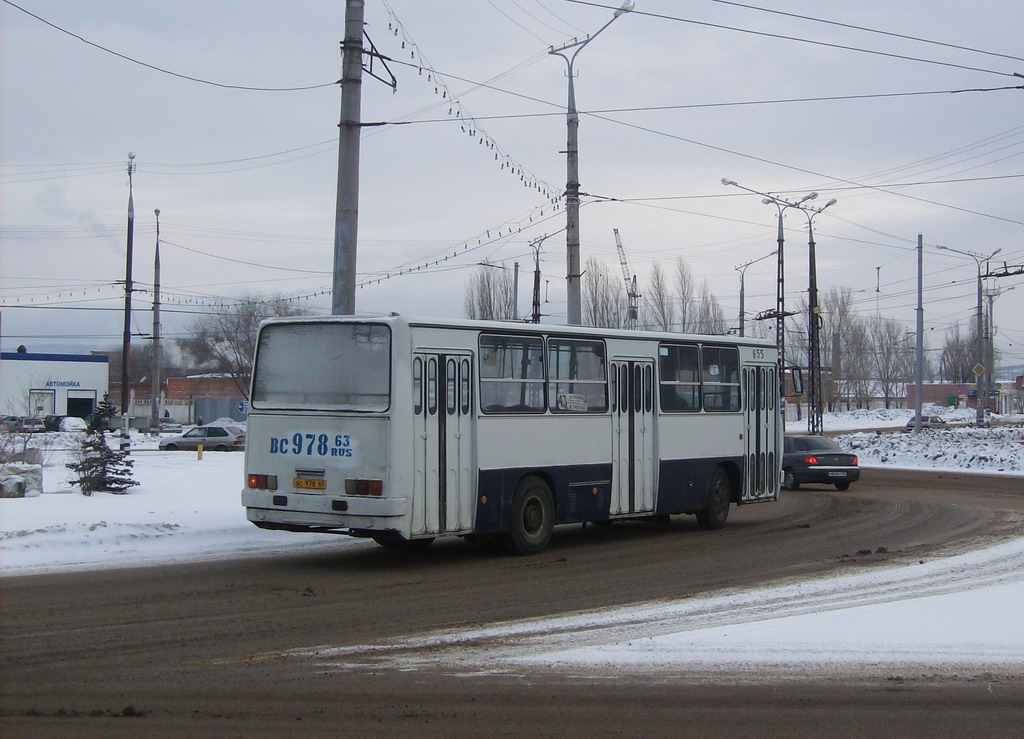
[(761, 443), (633, 443), (443, 442)]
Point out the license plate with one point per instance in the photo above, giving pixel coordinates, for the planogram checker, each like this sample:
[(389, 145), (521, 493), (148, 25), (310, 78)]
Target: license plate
[(830, 474), (302, 483)]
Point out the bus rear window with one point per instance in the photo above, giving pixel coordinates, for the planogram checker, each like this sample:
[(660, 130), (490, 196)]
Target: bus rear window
[(328, 366)]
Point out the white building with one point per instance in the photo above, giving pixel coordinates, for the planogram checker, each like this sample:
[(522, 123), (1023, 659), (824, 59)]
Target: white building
[(40, 385)]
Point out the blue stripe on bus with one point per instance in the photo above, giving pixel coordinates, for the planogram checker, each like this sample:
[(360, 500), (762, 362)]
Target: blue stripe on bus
[(683, 483), (583, 492)]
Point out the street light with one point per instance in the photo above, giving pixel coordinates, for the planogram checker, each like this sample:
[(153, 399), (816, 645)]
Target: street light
[(154, 415), (814, 416), (982, 389), (126, 344), (780, 282), (574, 307), (742, 269)]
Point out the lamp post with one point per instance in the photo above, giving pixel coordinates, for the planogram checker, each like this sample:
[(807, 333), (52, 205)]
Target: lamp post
[(992, 294), (815, 399), (982, 389), (126, 343), (154, 417), (780, 281), (742, 269), (574, 302)]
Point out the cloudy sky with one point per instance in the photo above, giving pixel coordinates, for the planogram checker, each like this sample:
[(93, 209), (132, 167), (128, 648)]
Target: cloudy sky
[(900, 111)]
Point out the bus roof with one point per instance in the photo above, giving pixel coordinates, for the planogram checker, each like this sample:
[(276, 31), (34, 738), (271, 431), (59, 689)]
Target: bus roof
[(520, 327)]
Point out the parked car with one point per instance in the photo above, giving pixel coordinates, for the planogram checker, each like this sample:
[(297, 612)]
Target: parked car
[(21, 424), (12, 424), (52, 423), (170, 427), (73, 423), (927, 422), (214, 438), (817, 459), (33, 425)]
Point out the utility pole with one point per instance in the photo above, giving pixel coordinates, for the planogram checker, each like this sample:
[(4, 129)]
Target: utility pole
[(979, 367), (343, 296), (126, 343), (515, 291), (535, 244), (780, 313), (742, 269), (919, 358), (990, 355), (574, 293), (154, 417)]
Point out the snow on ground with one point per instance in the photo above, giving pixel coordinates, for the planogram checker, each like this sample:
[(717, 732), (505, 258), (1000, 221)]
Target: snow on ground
[(187, 509)]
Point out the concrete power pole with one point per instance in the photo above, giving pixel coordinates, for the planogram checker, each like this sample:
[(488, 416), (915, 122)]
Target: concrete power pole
[(343, 298), (126, 345), (154, 415)]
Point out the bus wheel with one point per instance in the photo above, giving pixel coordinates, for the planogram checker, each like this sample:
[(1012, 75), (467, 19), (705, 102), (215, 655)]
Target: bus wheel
[(533, 518), (718, 499)]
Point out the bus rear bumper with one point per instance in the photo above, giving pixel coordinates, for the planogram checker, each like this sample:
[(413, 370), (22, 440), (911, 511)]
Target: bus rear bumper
[(330, 511)]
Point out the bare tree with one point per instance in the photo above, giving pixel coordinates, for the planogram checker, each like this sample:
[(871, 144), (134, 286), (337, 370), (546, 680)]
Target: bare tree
[(224, 341), (604, 297), (687, 293), (892, 358), (490, 294), (959, 355), (837, 322), (857, 383), (660, 301), (710, 318)]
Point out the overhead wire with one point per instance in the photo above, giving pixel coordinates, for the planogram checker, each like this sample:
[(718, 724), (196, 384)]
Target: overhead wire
[(784, 37), (162, 70)]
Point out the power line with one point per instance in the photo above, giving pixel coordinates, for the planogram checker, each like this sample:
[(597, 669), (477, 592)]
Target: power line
[(161, 69), (866, 29), (242, 261), (783, 37)]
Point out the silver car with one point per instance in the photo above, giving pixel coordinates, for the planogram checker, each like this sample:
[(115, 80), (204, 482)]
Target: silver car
[(211, 438), (927, 422)]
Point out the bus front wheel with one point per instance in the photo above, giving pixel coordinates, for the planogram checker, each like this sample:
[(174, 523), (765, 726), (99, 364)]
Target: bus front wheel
[(533, 518), (718, 499)]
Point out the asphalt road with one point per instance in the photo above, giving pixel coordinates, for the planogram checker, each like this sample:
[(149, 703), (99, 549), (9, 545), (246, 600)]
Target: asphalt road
[(203, 649)]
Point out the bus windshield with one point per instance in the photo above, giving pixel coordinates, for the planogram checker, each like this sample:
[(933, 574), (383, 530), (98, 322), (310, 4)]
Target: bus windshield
[(328, 366)]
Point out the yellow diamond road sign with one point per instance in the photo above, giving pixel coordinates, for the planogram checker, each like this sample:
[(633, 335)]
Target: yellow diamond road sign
[(979, 369)]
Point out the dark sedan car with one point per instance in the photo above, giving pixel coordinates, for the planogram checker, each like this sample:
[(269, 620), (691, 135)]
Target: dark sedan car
[(817, 459)]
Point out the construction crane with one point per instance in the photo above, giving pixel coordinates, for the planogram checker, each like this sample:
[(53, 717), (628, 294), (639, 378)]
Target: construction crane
[(633, 311)]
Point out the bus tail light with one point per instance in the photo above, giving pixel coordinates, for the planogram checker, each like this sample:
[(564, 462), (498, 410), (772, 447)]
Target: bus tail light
[(364, 487), (262, 482)]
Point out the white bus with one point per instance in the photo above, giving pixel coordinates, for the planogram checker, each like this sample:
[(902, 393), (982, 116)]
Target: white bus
[(403, 429)]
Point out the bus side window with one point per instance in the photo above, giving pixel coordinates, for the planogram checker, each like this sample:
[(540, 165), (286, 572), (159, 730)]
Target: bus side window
[(623, 388), (451, 386), (614, 394), (417, 385), (638, 388), (648, 388), (466, 388), (431, 386)]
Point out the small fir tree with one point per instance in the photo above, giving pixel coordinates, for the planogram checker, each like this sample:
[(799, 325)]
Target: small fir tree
[(99, 467)]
